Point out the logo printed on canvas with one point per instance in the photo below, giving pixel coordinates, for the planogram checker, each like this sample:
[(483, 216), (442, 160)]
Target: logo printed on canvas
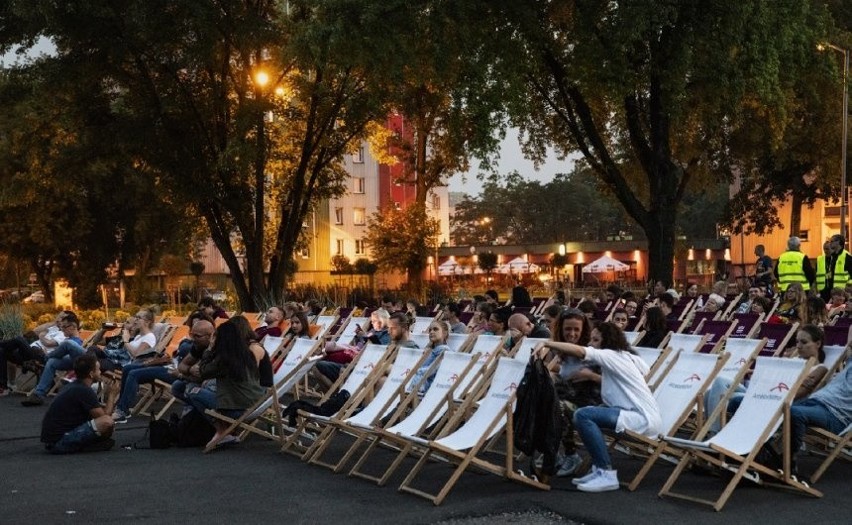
[(454, 378), (781, 387), (693, 377)]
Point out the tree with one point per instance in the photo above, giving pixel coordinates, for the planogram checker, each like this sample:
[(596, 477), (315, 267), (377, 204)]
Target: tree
[(200, 106), (487, 262), (646, 92), (401, 240)]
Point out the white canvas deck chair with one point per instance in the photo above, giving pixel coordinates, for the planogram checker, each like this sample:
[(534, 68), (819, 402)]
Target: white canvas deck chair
[(677, 343), (325, 323), (361, 373), (456, 342), (405, 365), (488, 347), (765, 406), (421, 324), (423, 420), (634, 338), (833, 445), (657, 359), (462, 447), (298, 362), (524, 350), (351, 329), (678, 395)]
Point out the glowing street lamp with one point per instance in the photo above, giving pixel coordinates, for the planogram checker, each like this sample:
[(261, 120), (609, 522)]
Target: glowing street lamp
[(261, 78)]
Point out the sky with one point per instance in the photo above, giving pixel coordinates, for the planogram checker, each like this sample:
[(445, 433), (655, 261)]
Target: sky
[(511, 157)]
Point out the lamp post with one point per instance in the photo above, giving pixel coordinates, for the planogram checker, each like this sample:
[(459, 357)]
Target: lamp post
[(843, 204)]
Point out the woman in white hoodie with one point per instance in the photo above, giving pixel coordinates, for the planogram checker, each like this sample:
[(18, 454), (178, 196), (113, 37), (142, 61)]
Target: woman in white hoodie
[(629, 403)]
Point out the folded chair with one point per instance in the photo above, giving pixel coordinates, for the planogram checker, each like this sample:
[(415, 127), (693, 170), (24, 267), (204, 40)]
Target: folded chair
[(735, 448), (424, 420), (463, 446), (405, 365), (296, 364), (361, 373), (679, 393), (833, 445)]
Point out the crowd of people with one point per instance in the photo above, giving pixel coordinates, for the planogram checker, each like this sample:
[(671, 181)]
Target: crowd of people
[(599, 380)]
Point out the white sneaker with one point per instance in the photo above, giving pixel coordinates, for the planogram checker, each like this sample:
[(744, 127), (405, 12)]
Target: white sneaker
[(605, 481), (593, 473)]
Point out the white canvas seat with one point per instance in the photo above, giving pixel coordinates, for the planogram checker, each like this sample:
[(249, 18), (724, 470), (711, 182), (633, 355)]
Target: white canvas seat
[(405, 365), (633, 338), (351, 329), (766, 403), (325, 323), (524, 350), (421, 324), (679, 393), (432, 407), (462, 446), (659, 360)]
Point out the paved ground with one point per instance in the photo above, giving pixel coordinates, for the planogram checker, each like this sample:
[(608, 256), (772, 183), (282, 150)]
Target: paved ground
[(254, 483)]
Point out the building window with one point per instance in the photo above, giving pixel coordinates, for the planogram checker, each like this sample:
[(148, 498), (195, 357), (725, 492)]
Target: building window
[(359, 217), (358, 156), (436, 202), (803, 235), (359, 185), (338, 215), (305, 253), (339, 250), (360, 247)]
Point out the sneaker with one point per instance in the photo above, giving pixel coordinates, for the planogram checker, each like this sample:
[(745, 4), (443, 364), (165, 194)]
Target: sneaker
[(33, 400), (569, 465), (539, 461), (588, 477), (118, 416), (605, 481), (4, 391)]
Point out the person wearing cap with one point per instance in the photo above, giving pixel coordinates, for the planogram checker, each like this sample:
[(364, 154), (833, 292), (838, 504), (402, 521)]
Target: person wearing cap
[(838, 267), (794, 266)]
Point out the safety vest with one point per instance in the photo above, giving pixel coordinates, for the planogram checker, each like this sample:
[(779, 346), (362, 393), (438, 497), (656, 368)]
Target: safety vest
[(840, 275), (820, 272), (790, 270)]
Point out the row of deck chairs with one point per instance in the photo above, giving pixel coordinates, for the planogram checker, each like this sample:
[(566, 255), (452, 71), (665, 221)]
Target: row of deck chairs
[(468, 406)]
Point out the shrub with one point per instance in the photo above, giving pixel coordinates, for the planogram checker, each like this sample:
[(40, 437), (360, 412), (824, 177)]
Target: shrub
[(12, 321)]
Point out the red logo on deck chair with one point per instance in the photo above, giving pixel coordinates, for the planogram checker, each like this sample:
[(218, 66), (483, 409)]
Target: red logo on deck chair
[(454, 378), (742, 361), (693, 377), (512, 387), (782, 387), (369, 365), (405, 372)]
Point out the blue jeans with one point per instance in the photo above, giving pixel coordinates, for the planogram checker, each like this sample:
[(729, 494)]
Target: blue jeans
[(75, 440), (200, 397), (62, 358), (134, 374), (588, 421), (810, 413)]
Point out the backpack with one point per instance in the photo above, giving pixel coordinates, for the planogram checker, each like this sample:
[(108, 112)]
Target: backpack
[(192, 430), (537, 425)]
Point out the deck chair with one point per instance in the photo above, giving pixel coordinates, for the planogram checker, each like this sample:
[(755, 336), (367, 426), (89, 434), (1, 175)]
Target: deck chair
[(766, 403), (732, 302), (747, 325), (700, 317), (833, 445), (634, 338), (659, 361), (361, 373), (835, 356), (686, 342), (424, 420), (678, 395), (456, 342), (462, 447), (835, 335), (351, 329), (718, 332), (325, 323), (406, 364), (524, 349), (421, 324), (675, 325), (488, 347), (777, 337), (299, 362)]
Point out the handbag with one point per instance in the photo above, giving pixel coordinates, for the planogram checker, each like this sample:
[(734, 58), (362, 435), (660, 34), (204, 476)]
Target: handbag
[(160, 433)]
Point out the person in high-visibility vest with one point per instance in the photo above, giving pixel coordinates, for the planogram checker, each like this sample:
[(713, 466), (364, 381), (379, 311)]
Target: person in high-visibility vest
[(838, 267), (820, 266), (794, 266)]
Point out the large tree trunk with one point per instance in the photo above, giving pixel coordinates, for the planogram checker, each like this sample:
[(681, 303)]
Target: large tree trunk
[(796, 215), (660, 231)]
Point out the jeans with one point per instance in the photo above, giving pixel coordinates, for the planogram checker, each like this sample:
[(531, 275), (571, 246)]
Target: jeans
[(134, 374), (62, 358), (589, 421), (199, 397), (329, 369), (75, 440), (810, 413)]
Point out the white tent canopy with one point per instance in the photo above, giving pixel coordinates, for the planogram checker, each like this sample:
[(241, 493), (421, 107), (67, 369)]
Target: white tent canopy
[(518, 265), (605, 264)]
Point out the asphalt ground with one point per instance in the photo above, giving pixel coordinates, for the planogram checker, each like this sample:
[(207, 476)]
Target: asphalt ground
[(254, 483)]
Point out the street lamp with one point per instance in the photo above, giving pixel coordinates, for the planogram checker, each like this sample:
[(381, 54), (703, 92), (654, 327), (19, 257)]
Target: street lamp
[(843, 226)]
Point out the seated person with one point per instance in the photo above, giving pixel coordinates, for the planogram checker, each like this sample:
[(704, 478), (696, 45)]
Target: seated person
[(62, 358), (19, 350), (620, 318), (299, 328), (438, 333), (337, 355), (792, 305), (271, 323), (210, 308), (188, 385), (76, 421), (451, 315)]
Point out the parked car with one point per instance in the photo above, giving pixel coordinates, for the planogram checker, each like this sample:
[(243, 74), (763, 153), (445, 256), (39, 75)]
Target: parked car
[(217, 295)]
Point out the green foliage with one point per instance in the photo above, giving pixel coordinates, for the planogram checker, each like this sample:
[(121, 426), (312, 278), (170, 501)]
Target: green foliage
[(402, 239), (340, 264), (487, 261), (12, 323), (364, 266)]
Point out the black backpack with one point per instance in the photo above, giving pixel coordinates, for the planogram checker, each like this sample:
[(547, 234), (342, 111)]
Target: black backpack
[(191, 430)]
